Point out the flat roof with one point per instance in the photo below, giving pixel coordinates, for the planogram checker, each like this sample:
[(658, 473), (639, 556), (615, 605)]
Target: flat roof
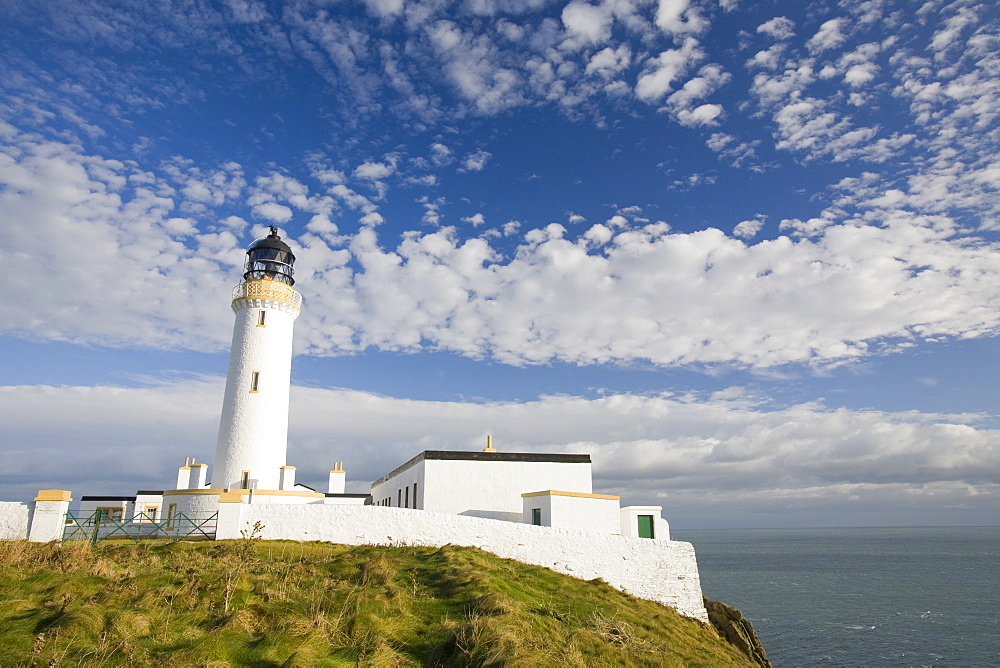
[(474, 456), (107, 498)]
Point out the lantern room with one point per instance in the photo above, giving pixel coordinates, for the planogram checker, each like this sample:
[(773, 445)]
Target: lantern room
[(270, 258)]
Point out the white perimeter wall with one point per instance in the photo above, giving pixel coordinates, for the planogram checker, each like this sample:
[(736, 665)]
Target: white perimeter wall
[(493, 489), (657, 570), (13, 520)]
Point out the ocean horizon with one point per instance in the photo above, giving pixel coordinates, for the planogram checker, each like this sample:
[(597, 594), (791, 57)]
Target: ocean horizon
[(887, 596)]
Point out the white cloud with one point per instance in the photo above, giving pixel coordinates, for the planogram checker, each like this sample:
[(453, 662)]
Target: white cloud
[(511, 227), (475, 220), (678, 16), (748, 229), (768, 58), (475, 162), (440, 154), (247, 11), (693, 181), (706, 114), (828, 36), (374, 171), (950, 32), (384, 7), (779, 27), (660, 73), (859, 75), (427, 180), (274, 212), (608, 62), (709, 79), (586, 24), (735, 152)]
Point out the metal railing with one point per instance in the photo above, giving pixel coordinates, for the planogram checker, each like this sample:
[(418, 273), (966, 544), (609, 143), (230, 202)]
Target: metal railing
[(267, 290), (102, 526)]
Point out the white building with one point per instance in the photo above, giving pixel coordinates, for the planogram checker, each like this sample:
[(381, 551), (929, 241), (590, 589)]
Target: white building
[(480, 484), (553, 490)]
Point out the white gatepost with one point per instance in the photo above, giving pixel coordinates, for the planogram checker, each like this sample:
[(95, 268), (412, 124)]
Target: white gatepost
[(48, 520), (230, 518)]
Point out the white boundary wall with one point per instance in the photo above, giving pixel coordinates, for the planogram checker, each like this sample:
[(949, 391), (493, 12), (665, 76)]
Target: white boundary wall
[(13, 520), (657, 570)]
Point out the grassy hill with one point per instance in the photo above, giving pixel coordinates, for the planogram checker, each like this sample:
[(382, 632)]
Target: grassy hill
[(277, 603)]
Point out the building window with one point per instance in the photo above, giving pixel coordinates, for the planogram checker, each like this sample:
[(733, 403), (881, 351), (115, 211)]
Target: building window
[(407, 497), (150, 514), (255, 381), (245, 480), (261, 316), (112, 514), (536, 516), (171, 512), (414, 495), (399, 498), (646, 526)]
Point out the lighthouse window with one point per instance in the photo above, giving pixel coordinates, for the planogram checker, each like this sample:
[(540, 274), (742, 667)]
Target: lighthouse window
[(245, 480), (261, 317), (255, 381)]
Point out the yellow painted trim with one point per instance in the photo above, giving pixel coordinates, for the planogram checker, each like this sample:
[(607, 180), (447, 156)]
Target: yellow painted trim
[(185, 468), (231, 497), (205, 466), (54, 495), (182, 492), (288, 467), (257, 492), (288, 492), (582, 495)]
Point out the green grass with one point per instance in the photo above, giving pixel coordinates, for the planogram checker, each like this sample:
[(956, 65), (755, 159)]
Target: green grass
[(277, 603)]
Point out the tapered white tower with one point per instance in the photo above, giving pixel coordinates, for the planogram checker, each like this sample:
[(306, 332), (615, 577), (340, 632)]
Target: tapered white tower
[(253, 430)]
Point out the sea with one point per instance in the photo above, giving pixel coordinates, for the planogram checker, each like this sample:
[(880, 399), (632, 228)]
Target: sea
[(913, 596)]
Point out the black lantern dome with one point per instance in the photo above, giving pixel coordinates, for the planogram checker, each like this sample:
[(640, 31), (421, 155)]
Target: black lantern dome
[(271, 258)]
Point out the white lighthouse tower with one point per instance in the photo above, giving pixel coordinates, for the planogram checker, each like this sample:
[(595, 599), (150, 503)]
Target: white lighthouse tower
[(253, 431)]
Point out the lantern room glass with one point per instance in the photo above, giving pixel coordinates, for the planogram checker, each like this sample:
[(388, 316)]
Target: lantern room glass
[(270, 258)]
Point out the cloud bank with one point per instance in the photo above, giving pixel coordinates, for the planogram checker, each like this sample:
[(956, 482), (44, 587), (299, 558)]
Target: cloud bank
[(724, 459)]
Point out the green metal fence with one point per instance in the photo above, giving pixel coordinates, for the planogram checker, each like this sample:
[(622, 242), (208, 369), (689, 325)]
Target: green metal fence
[(100, 525)]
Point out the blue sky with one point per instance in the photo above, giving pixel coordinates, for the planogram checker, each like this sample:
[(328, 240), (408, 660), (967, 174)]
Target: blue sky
[(743, 253)]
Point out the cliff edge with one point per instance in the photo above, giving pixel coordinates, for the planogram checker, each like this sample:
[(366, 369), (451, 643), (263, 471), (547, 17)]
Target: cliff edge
[(737, 629)]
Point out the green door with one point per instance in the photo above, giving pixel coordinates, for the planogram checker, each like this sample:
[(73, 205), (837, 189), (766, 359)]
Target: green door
[(646, 526)]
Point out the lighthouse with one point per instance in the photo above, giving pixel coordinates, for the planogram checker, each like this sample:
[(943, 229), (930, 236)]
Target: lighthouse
[(253, 429)]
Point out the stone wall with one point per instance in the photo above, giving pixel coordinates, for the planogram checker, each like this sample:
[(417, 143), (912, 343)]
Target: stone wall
[(13, 520), (657, 570)]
